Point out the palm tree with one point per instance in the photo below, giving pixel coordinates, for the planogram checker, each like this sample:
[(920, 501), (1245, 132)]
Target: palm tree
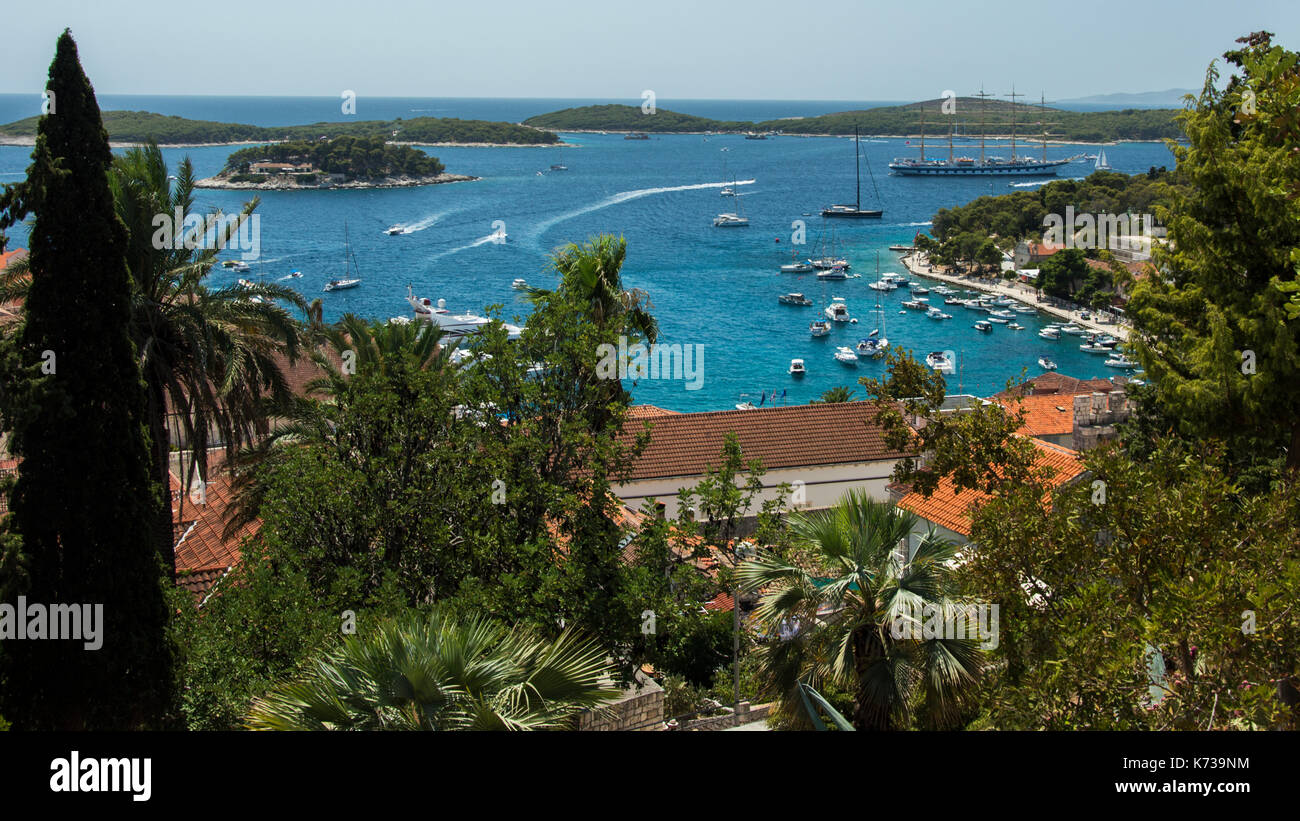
[(209, 356), (839, 393), (861, 578), (430, 672), (591, 272)]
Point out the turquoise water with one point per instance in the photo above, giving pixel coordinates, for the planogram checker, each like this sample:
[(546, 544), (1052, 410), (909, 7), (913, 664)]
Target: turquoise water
[(710, 286)]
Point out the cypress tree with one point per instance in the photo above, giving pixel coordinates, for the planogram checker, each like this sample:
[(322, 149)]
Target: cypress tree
[(84, 501)]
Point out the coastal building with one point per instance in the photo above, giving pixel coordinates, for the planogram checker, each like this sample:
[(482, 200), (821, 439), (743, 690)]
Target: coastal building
[(822, 450), (1030, 254), (950, 511), (1076, 413)]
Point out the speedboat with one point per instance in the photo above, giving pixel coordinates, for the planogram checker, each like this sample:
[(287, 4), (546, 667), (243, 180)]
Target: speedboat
[(940, 361), (1120, 361), (519, 284), (730, 221), (920, 291), (1046, 364), (453, 324), (395, 230), (559, 167), (794, 299), (341, 284), (819, 327), (935, 313), (1050, 333), (1074, 330), (997, 320), (846, 356), (797, 268), (1015, 326), (239, 266), (983, 326), (837, 311), (296, 275), (797, 368), (834, 272), (1024, 309), (1092, 347), (1003, 314), (246, 283)]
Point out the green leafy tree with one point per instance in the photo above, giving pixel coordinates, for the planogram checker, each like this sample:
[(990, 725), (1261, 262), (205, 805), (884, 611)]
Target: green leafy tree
[(1213, 330), (85, 497)]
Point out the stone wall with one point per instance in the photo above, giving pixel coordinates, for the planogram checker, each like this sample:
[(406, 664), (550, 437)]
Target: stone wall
[(640, 707), (1095, 417)]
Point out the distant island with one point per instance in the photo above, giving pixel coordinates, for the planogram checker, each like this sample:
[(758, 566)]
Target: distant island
[(343, 162), (889, 121), (134, 127)]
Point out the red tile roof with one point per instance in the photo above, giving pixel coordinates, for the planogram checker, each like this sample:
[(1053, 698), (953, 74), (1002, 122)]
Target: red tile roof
[(1048, 414), (948, 508), (648, 412), (722, 601), (685, 444), (203, 555), (1058, 383)]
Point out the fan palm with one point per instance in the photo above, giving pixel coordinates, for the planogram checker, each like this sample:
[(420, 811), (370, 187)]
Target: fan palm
[(210, 357), (430, 672), (862, 578)]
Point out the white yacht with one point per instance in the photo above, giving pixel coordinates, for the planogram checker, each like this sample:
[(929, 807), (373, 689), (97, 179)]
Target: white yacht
[(834, 272), (454, 324), (1120, 361), (730, 221), (797, 367), (797, 268), (819, 327), (983, 326), (837, 311), (1050, 333), (341, 284), (846, 356), (794, 299), (941, 362), (1074, 330), (1046, 364), (935, 313)]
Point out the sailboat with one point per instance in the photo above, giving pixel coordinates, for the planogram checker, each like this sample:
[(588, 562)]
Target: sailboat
[(348, 257), (1101, 164), (855, 211), (559, 166), (875, 344), (736, 219)]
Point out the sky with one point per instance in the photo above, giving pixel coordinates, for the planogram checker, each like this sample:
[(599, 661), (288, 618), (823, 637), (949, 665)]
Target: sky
[(615, 49)]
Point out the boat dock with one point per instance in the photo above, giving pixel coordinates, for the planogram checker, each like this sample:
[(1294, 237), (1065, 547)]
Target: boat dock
[(1017, 291)]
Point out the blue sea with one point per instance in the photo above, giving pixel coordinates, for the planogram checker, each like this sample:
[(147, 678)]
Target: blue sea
[(714, 287)]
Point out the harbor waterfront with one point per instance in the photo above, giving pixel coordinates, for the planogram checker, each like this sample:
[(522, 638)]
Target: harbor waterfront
[(711, 287)]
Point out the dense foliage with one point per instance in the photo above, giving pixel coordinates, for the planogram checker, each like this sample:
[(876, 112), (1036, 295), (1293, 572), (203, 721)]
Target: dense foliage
[(904, 120), (142, 126), (355, 157)]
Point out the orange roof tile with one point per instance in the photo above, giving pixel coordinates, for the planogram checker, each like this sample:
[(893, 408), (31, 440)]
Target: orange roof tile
[(648, 412), (685, 444), (203, 555), (948, 508), (1045, 414), (1055, 382)]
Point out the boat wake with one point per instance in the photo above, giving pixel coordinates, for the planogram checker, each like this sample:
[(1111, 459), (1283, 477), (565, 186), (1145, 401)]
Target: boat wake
[(427, 222), (626, 196), (1038, 182), (493, 237)]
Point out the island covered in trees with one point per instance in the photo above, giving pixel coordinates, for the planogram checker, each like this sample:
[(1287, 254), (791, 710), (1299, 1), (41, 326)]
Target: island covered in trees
[(965, 118), (141, 126), (345, 162)]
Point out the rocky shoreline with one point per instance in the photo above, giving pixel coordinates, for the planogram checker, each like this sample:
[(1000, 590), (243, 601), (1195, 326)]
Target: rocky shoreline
[(288, 183)]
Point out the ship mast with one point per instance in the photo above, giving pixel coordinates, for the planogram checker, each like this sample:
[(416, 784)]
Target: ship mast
[(922, 132), (983, 129), (1013, 95), (950, 126), (857, 175)]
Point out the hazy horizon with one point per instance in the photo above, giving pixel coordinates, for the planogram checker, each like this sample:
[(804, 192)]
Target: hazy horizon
[(587, 49)]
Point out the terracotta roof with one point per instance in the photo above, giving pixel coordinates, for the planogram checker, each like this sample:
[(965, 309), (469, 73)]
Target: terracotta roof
[(1058, 383), (1043, 249), (948, 508), (722, 601), (1047, 414), (685, 444), (648, 412), (202, 554)]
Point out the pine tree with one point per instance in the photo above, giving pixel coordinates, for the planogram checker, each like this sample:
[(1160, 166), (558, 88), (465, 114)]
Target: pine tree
[(84, 500)]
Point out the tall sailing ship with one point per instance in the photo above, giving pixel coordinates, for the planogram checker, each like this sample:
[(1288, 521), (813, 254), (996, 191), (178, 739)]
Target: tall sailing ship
[(985, 165)]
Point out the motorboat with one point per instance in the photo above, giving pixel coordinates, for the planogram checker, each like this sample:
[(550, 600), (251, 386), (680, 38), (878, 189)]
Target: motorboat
[(238, 266), (882, 285), (941, 362), (997, 320), (1092, 347), (1074, 330), (1003, 314), (819, 327), (730, 221), (1050, 333), (794, 299), (519, 284), (915, 305), (920, 291), (828, 262), (983, 326), (1120, 361), (935, 313), (246, 283), (834, 272), (797, 268), (953, 300), (1046, 364), (394, 230), (846, 356), (837, 311), (797, 368), (1015, 326), (453, 324)]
